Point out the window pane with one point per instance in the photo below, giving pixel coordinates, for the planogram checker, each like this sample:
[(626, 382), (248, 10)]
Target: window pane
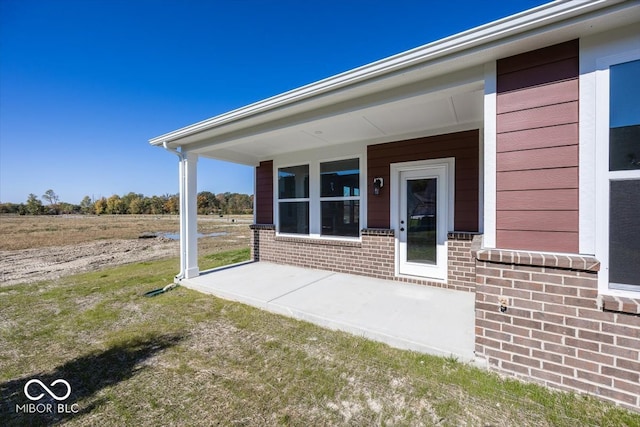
[(341, 218), (624, 148), (294, 217), (624, 116), (624, 233), (293, 182), (340, 179)]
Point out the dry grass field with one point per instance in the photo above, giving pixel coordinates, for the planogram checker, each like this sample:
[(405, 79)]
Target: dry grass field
[(31, 232), (36, 248)]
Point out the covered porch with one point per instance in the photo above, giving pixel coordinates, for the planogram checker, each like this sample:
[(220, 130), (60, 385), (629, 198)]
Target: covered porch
[(415, 96), (407, 316)]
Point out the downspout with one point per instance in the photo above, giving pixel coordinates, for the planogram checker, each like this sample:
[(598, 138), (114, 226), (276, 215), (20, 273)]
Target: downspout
[(183, 247)]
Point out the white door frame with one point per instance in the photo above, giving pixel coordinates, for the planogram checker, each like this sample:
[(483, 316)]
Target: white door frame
[(446, 199)]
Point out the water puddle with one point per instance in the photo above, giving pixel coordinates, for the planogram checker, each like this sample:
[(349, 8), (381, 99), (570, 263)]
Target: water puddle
[(176, 236)]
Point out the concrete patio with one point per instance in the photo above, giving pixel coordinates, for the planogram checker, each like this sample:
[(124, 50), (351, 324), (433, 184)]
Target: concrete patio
[(421, 318)]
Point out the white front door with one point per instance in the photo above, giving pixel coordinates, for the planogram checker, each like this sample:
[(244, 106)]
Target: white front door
[(423, 195)]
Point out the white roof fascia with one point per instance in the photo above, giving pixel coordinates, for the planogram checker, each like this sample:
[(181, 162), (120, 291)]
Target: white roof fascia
[(532, 19)]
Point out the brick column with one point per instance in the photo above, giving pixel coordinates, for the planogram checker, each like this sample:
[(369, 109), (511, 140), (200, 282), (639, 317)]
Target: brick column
[(261, 236), (461, 268), (539, 317)]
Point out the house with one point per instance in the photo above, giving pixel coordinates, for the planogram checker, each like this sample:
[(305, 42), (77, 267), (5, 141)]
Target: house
[(503, 161)]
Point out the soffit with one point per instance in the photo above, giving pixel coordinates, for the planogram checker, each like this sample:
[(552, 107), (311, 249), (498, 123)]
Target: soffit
[(396, 116)]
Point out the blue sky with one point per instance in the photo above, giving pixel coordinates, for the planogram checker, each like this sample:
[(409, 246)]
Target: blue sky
[(84, 84)]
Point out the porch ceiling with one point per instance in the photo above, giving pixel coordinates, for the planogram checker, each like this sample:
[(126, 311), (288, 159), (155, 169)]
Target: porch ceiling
[(383, 121)]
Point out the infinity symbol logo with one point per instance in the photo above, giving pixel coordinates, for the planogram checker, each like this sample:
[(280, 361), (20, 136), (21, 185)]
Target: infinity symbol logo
[(52, 394)]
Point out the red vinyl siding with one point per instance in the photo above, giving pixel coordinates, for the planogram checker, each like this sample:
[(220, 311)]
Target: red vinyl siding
[(540, 117), (464, 146), (539, 179), (537, 96), (540, 159), (539, 221), (526, 139), (540, 200), (537, 145), (264, 193), (539, 240), (551, 64)]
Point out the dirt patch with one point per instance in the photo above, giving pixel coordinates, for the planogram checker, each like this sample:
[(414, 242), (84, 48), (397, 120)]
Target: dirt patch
[(31, 265), (35, 248)]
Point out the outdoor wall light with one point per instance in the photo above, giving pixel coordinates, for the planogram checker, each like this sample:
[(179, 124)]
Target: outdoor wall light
[(378, 183)]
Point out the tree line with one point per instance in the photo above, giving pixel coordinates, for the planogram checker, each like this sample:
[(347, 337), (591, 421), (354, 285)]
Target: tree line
[(131, 203)]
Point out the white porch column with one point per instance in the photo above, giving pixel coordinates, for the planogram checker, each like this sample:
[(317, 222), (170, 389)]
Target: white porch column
[(489, 155), (189, 216)]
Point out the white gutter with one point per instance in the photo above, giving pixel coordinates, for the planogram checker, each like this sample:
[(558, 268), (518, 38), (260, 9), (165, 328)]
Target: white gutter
[(541, 16), (183, 219)]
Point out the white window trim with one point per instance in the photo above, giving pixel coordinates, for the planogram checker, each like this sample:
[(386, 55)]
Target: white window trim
[(315, 218), (603, 175)]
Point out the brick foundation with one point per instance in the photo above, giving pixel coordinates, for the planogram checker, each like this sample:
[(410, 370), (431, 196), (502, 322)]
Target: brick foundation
[(554, 330), (373, 255)]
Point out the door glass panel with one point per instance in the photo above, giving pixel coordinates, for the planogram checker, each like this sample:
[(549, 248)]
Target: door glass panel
[(421, 220)]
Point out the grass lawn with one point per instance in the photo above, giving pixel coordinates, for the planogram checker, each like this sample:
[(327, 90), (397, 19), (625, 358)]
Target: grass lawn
[(184, 358)]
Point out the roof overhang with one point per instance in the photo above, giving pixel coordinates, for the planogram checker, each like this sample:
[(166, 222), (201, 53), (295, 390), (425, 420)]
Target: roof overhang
[(437, 86)]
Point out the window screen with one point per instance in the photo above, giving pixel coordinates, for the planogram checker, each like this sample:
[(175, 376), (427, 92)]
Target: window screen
[(624, 232), (340, 198)]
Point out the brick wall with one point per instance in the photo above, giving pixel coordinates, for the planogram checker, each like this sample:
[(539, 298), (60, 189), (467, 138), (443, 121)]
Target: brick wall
[(461, 269), (554, 330), (373, 256)]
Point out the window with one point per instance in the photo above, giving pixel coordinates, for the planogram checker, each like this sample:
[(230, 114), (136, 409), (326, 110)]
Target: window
[(624, 176), (320, 199), (293, 199), (624, 116), (340, 198)]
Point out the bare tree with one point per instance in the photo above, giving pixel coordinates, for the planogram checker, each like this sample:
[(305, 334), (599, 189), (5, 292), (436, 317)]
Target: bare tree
[(51, 197)]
